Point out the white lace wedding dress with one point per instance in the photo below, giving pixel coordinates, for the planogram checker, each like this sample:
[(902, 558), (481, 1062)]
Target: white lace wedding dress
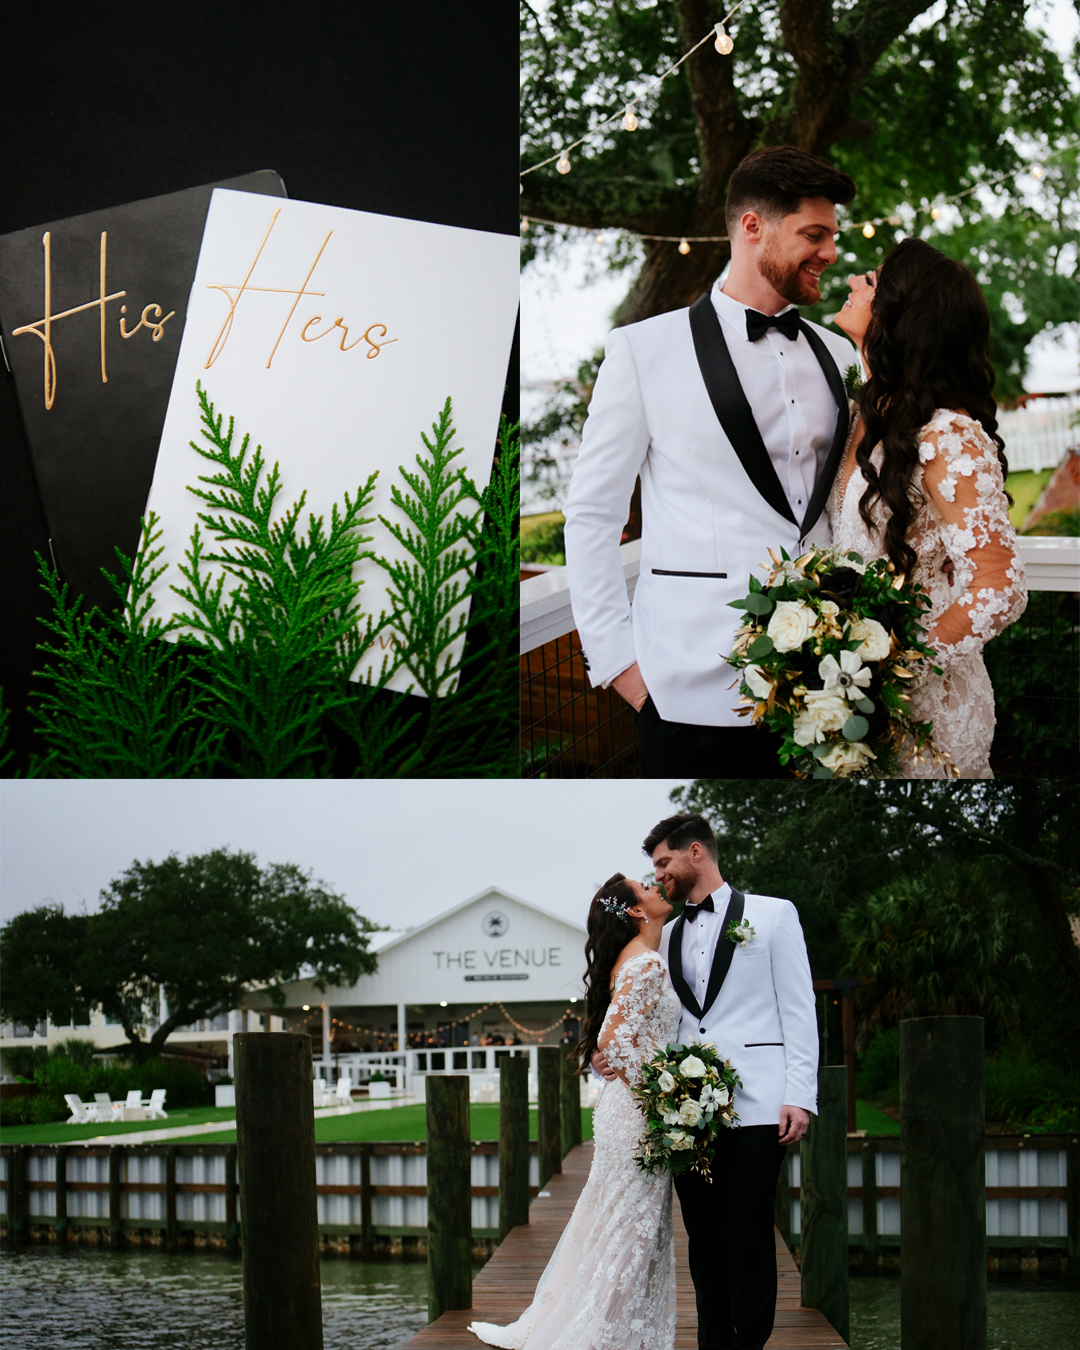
[(610, 1283), (963, 516)]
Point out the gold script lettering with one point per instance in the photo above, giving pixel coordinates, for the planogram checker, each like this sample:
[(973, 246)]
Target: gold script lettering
[(156, 329), (42, 328), (339, 322)]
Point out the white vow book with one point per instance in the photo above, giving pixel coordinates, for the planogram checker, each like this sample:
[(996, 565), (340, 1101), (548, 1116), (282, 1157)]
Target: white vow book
[(334, 338)]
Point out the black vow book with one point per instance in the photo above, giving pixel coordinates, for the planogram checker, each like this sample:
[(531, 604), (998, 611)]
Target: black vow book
[(92, 311)]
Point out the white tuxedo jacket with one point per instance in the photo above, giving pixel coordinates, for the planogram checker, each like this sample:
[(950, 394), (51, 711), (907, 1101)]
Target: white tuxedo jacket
[(763, 1018), (711, 509)]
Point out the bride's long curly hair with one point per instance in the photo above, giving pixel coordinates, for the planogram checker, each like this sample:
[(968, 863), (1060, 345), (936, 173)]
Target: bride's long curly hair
[(609, 932), (927, 346)]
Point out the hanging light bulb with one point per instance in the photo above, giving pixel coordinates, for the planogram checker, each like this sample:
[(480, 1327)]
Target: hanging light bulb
[(600, 239), (724, 44), (896, 220), (868, 231), (524, 224), (563, 165), (629, 120), (935, 213), (684, 247), (1036, 171)]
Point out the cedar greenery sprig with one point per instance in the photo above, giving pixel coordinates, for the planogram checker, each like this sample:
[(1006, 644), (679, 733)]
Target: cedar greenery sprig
[(119, 702), (254, 680)]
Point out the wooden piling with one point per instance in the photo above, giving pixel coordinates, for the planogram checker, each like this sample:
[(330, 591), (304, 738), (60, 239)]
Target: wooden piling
[(116, 1217), (548, 1097), (449, 1194), (61, 1195), (18, 1196), (942, 1185), (1072, 1202), (275, 1137), (232, 1228), (513, 1144), (569, 1100), (170, 1199), (365, 1202), (823, 1191)]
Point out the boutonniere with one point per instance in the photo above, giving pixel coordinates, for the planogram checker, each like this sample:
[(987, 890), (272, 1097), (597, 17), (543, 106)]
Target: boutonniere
[(853, 378), (740, 932)]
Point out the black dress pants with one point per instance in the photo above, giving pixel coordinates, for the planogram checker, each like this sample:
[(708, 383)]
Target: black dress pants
[(684, 750), (732, 1249)]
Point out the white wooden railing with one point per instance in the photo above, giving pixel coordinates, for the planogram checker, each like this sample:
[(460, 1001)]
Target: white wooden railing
[(1052, 563)]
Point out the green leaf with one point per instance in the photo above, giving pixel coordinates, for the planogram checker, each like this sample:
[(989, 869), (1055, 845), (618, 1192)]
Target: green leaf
[(758, 604), (761, 646), (822, 772), (864, 705), (855, 728)]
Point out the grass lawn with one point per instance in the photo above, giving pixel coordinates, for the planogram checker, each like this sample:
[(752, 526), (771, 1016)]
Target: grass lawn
[(874, 1121), (1025, 488), (60, 1133), (397, 1122)]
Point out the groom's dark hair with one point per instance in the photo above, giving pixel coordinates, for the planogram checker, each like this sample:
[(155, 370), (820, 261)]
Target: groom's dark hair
[(680, 832), (773, 183)]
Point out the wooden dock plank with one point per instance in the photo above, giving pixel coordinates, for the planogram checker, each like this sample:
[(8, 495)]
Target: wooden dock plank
[(504, 1288)]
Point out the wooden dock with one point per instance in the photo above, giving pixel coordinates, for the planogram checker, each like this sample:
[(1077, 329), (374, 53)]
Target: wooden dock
[(504, 1288)]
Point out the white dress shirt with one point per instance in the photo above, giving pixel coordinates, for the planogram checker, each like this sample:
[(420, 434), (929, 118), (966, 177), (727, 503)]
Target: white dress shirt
[(789, 396), (699, 945)]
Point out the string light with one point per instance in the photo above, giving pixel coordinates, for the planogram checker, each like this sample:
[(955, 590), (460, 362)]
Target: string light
[(724, 44), (1036, 171), (868, 230), (684, 247), (627, 116), (568, 1015), (935, 213)]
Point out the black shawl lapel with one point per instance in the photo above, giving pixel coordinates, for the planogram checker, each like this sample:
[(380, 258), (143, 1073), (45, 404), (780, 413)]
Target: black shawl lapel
[(725, 949), (674, 960), (828, 472), (731, 406)]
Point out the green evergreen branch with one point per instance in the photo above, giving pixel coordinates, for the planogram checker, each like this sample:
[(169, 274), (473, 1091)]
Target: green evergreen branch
[(119, 701)]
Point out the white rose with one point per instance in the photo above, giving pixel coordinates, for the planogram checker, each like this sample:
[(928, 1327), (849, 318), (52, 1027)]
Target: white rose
[(666, 1082), (692, 1067), (826, 710), (829, 609), (806, 731), (847, 756), (791, 624), (760, 687), (671, 1118), (690, 1113), (872, 638), (680, 1140)]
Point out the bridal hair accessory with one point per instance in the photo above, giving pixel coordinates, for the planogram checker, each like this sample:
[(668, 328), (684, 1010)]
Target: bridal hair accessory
[(613, 904)]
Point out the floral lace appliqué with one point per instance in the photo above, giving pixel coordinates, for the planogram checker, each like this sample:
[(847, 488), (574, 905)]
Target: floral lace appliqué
[(610, 1283), (962, 515)]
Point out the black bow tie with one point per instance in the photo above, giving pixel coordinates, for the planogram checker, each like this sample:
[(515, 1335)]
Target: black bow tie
[(692, 911), (757, 325)]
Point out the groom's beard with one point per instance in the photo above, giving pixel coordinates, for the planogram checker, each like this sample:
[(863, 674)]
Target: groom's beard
[(789, 280), (678, 888)]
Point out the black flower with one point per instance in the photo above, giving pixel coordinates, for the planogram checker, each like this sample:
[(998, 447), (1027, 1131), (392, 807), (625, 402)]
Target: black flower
[(843, 584)]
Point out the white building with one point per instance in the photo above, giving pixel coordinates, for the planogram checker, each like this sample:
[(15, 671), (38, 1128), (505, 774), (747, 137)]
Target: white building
[(492, 969)]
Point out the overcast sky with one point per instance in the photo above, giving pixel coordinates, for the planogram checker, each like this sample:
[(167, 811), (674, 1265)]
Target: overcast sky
[(400, 852)]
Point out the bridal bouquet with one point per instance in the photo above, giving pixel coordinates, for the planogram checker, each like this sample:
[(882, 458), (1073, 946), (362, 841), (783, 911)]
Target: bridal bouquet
[(686, 1093), (829, 646)]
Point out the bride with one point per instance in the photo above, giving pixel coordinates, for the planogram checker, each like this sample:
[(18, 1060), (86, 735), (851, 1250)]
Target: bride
[(923, 481), (610, 1283)]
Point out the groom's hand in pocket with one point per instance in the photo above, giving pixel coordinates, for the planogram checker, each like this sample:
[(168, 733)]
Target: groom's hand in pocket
[(794, 1122), (630, 686), (604, 1069)]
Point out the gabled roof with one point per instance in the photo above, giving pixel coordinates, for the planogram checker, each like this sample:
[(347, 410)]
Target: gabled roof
[(489, 893)]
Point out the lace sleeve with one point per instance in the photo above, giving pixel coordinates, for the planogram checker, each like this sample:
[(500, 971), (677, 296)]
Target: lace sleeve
[(624, 1038), (962, 477)]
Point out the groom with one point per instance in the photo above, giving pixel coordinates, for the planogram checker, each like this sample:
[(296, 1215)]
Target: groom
[(753, 1000), (734, 416)]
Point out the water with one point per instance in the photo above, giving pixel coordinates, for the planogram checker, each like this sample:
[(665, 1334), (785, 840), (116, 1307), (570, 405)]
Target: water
[(1021, 1315), (103, 1300)]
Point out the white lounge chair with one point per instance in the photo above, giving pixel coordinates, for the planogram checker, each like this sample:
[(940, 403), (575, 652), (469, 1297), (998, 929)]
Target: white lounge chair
[(343, 1091), (155, 1105), (322, 1097), (82, 1113), (106, 1108), (134, 1099)]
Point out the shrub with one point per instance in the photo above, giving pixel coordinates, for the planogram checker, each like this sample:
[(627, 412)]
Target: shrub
[(878, 1073), (1044, 1096), (37, 1110), (544, 544)]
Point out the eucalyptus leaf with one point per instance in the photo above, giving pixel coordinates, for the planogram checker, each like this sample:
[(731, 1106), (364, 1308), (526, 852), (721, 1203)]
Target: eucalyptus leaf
[(822, 772), (855, 728), (759, 603), (864, 705), (761, 646)]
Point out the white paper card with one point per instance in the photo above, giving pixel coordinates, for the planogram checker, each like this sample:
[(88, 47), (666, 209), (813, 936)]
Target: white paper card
[(334, 338)]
